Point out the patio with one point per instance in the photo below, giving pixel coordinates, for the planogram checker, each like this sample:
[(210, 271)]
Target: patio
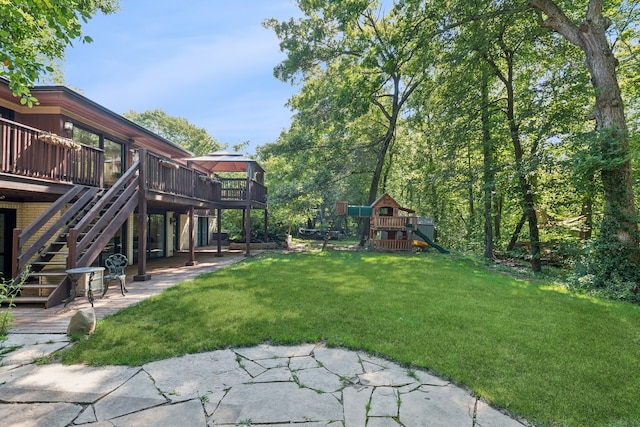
[(165, 273)]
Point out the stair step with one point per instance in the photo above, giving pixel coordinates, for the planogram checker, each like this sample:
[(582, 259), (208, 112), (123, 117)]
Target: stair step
[(47, 273), (45, 263), (58, 242), (62, 240), (30, 300), (55, 253), (38, 290), (39, 286)]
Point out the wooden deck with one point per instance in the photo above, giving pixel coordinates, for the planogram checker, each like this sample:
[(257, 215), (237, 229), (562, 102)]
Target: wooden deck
[(165, 273)]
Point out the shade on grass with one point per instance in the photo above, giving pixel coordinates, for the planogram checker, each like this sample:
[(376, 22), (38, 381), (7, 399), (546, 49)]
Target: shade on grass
[(549, 356)]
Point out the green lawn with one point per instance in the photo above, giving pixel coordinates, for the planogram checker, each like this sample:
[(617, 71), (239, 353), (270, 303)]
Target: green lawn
[(549, 356)]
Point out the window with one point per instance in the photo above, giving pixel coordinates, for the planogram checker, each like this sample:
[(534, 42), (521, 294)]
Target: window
[(5, 113), (113, 153), (155, 236), (385, 211), (86, 137)]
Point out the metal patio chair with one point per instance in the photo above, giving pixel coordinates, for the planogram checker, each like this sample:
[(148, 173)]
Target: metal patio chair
[(115, 265)]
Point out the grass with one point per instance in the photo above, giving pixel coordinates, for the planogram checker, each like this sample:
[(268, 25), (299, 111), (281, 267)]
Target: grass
[(552, 357)]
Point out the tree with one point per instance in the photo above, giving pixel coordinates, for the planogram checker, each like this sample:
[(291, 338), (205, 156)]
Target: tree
[(374, 57), (292, 195), (35, 34), (508, 46), (177, 130), (375, 62), (317, 158), (619, 229)]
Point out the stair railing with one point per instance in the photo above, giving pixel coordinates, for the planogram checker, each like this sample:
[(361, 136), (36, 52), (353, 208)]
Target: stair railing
[(87, 238), (22, 237)]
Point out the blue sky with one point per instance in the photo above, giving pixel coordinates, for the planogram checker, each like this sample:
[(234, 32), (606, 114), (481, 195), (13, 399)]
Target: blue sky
[(209, 61)]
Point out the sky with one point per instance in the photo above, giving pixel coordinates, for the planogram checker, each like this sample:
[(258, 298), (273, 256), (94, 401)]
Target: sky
[(208, 61)]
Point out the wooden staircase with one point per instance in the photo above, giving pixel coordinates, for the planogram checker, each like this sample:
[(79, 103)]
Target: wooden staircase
[(75, 239)]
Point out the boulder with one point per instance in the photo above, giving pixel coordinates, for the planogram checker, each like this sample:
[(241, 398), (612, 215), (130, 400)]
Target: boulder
[(84, 322)]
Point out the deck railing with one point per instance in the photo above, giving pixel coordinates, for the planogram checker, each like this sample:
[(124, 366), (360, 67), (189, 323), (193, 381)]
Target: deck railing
[(258, 192), (32, 153), (168, 177), (235, 189)]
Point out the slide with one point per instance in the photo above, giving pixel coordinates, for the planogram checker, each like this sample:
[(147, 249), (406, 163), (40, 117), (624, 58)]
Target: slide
[(430, 242)]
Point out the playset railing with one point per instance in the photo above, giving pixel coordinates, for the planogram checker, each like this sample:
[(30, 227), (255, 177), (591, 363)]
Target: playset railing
[(391, 245), (392, 222)]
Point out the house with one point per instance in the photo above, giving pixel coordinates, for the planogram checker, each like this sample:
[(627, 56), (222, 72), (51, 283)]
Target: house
[(79, 182)]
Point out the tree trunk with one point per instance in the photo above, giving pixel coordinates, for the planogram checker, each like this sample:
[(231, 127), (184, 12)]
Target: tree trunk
[(497, 220), (488, 171), (587, 212), (532, 219), (528, 202), (375, 180), (385, 144), (516, 233), (620, 220), (471, 225)]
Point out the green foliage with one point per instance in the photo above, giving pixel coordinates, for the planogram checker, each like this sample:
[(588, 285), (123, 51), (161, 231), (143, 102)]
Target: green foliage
[(599, 152), (292, 194), (77, 336), (35, 33), (9, 289), (177, 130), (607, 267), (359, 68)]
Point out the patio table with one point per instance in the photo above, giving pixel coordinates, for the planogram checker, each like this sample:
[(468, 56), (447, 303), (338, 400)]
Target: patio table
[(75, 274)]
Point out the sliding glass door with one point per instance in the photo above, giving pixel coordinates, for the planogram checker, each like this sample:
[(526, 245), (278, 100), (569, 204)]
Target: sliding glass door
[(7, 224)]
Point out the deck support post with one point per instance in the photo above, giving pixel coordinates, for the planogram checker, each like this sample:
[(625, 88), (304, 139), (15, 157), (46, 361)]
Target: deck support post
[(248, 195), (15, 250), (72, 241), (219, 227), (142, 218), (265, 238), (192, 237), (247, 229)]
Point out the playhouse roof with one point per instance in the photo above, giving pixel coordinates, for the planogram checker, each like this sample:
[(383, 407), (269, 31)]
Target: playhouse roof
[(387, 201)]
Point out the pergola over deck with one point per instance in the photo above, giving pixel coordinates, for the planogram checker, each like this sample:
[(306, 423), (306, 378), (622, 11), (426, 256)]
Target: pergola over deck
[(246, 193)]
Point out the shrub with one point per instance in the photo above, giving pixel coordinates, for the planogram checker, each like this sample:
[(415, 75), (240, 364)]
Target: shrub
[(9, 289), (605, 268)]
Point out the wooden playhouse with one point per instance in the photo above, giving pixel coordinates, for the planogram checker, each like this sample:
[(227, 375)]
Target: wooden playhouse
[(391, 226)]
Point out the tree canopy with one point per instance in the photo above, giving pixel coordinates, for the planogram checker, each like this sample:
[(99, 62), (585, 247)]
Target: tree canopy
[(35, 33), (177, 130), (524, 108)]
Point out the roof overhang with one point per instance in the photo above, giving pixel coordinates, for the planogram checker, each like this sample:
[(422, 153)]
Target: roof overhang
[(221, 161), (66, 102)]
